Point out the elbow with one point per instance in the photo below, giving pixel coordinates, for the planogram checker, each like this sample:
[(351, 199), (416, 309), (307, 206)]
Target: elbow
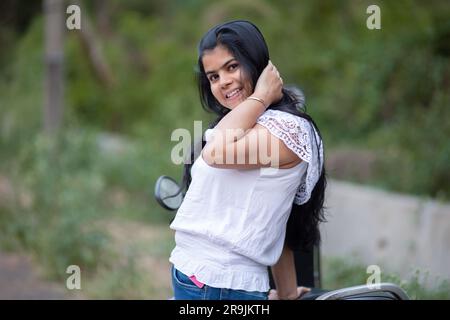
[(208, 159), (219, 156), (209, 155)]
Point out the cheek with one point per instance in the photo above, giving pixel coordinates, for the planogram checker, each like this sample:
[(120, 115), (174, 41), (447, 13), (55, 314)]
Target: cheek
[(215, 92)]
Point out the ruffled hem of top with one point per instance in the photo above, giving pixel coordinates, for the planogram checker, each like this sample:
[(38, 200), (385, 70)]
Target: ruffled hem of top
[(220, 277)]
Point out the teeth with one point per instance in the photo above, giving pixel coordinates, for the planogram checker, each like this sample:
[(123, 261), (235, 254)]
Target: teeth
[(232, 93)]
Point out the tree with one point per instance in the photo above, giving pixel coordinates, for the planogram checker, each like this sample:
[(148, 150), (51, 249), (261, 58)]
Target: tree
[(54, 56)]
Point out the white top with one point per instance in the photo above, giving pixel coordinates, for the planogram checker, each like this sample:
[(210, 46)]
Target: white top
[(232, 222)]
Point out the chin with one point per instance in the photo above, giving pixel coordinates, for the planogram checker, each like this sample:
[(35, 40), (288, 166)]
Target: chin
[(226, 106), (231, 107)]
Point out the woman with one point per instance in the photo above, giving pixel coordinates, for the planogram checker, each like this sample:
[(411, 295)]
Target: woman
[(255, 192)]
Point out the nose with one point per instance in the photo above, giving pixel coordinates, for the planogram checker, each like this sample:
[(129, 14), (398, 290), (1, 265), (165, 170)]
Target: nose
[(225, 80)]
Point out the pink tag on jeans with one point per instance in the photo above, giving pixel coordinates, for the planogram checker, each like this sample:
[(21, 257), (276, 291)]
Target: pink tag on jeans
[(196, 282)]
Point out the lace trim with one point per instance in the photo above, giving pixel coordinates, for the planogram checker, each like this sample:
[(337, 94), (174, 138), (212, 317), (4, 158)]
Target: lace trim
[(300, 137)]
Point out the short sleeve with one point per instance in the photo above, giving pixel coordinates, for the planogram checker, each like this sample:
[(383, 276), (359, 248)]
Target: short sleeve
[(301, 138), (209, 134)]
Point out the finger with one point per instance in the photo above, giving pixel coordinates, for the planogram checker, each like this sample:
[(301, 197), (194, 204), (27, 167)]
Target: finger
[(273, 295), (301, 291), (305, 288)]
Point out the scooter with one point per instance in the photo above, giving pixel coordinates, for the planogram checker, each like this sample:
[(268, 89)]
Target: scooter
[(169, 194)]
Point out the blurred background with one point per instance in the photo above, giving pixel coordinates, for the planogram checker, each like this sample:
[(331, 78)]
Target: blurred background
[(86, 118)]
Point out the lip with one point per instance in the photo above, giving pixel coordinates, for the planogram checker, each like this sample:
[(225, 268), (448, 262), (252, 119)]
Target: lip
[(235, 96)]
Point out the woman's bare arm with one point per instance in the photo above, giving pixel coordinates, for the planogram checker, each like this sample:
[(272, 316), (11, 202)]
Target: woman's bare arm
[(284, 275)]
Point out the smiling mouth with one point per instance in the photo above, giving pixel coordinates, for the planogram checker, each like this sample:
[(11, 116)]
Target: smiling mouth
[(233, 94)]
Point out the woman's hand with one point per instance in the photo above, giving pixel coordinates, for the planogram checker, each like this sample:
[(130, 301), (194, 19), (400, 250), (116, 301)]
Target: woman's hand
[(273, 295), (269, 85)]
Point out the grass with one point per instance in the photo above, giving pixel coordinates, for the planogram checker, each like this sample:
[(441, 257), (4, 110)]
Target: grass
[(56, 192), (419, 285), (141, 268)]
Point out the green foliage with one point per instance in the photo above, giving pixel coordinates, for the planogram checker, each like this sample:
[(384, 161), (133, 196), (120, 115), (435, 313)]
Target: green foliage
[(363, 86), (417, 288), (386, 90), (57, 179), (154, 83), (60, 189), (123, 281), (340, 273)]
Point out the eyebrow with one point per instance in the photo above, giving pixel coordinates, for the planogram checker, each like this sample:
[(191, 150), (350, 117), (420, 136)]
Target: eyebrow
[(213, 71)]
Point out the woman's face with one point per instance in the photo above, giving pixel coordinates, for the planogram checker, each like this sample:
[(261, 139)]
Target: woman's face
[(229, 85)]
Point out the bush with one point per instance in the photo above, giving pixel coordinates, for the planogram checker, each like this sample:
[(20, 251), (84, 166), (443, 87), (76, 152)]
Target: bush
[(339, 273)]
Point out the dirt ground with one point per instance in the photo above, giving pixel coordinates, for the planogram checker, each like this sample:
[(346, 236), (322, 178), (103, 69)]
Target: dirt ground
[(20, 279)]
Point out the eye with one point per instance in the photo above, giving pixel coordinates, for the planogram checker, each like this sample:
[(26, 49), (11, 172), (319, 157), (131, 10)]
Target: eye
[(233, 66), (213, 77)]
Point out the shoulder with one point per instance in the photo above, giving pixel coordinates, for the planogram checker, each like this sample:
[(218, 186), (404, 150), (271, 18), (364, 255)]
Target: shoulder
[(284, 121), (296, 132)]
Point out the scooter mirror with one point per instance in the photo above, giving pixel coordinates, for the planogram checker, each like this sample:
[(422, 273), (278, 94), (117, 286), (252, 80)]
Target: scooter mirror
[(168, 193)]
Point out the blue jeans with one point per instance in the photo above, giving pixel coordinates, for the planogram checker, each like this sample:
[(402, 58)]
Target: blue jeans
[(185, 289)]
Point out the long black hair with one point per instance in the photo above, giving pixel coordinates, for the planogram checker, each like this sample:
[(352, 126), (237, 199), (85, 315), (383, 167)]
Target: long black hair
[(244, 40)]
